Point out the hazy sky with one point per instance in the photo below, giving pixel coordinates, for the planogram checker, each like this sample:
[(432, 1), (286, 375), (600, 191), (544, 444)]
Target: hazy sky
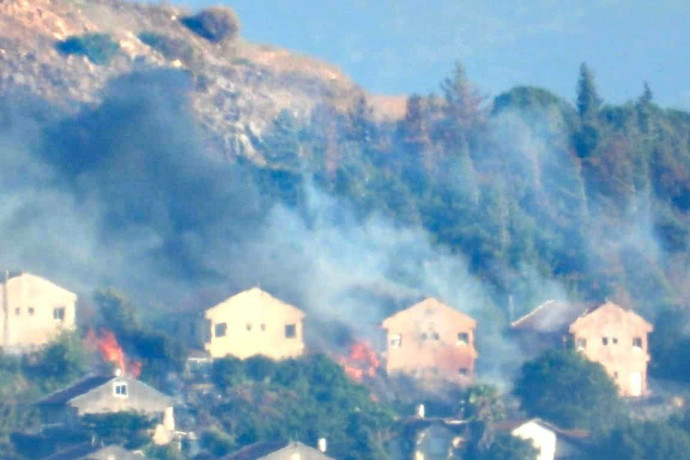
[(404, 46)]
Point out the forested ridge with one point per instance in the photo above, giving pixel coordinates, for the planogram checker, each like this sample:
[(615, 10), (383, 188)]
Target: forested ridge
[(525, 186)]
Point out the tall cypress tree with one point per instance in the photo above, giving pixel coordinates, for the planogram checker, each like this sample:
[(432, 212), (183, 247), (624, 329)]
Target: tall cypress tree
[(588, 101)]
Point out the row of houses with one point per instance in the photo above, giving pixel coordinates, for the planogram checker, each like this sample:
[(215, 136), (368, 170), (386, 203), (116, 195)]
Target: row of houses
[(428, 340)]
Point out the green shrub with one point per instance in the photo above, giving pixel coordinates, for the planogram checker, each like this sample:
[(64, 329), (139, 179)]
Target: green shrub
[(170, 48), (214, 24), (98, 48)]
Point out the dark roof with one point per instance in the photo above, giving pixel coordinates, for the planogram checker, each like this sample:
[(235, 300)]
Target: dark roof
[(75, 452), (255, 451), (79, 388), (551, 316), (87, 451)]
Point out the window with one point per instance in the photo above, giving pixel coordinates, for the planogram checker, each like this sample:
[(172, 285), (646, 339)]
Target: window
[(120, 389), (263, 327), (249, 326), (221, 329), (424, 336), (290, 331), (31, 311), (463, 371), (435, 336), (59, 313), (463, 338), (17, 311), (615, 340), (580, 344), (605, 340), (395, 341), (637, 342)]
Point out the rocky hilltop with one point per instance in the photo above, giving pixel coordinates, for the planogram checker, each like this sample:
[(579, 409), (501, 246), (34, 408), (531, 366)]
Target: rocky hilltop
[(65, 51)]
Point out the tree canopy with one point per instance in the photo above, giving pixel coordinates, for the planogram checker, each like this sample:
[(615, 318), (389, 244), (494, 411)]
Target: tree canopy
[(565, 388)]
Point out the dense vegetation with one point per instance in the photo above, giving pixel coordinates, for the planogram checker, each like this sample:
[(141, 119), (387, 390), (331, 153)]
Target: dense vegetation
[(303, 399), (528, 187)]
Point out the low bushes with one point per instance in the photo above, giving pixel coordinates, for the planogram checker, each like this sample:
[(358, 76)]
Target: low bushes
[(98, 48), (214, 24)]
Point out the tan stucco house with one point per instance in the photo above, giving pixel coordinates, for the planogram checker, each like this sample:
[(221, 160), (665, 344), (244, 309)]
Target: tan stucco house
[(34, 311), (109, 394), (431, 340), (252, 323), (617, 339)]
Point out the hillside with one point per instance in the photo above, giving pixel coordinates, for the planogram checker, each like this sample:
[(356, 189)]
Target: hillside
[(494, 204), (238, 86)]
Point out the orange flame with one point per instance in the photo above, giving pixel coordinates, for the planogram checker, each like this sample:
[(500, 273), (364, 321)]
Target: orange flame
[(106, 343), (360, 362)]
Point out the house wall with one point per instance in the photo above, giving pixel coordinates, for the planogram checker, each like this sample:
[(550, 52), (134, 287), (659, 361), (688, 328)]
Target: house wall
[(34, 311), (424, 341), (255, 323), (566, 450), (543, 439), (608, 335)]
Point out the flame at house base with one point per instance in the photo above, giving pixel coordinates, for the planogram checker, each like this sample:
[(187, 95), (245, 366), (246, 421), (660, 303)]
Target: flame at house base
[(360, 362)]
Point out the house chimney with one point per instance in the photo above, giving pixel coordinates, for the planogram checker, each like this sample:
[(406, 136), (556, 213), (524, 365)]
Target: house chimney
[(420, 410), (322, 445)]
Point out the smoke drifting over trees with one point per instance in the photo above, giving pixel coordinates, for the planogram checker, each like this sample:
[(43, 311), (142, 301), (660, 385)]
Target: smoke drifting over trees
[(351, 218)]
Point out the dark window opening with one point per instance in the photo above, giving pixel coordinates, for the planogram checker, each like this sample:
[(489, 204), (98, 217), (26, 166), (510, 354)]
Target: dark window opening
[(615, 340), (31, 311), (249, 326), (17, 311), (120, 389), (435, 336), (290, 331), (463, 371), (424, 336), (463, 338), (605, 340), (221, 329), (637, 342), (59, 313)]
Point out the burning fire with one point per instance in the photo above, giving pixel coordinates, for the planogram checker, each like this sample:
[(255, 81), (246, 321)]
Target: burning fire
[(106, 343), (361, 361)]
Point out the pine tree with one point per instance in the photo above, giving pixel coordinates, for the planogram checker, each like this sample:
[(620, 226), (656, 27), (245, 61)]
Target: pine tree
[(588, 101)]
